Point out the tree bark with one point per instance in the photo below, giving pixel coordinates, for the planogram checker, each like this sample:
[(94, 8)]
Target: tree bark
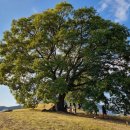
[(60, 104)]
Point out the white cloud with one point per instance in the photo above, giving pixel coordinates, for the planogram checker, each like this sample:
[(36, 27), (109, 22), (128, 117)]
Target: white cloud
[(104, 4), (34, 10), (122, 9), (118, 8)]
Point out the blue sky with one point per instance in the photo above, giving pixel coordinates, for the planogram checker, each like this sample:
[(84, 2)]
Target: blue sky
[(115, 10)]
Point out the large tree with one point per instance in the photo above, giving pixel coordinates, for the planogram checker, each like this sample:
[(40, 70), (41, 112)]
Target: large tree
[(62, 50)]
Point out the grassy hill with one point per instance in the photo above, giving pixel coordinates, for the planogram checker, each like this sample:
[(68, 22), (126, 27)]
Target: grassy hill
[(36, 120)]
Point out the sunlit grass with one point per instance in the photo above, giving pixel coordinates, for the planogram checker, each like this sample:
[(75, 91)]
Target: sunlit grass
[(35, 120)]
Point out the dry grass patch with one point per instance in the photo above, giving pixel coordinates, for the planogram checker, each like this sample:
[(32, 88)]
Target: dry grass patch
[(35, 120)]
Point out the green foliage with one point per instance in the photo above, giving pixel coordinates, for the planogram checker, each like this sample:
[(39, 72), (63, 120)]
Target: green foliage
[(62, 51), (90, 107)]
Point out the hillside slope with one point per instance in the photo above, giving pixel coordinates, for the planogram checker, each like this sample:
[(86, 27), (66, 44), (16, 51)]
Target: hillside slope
[(36, 120)]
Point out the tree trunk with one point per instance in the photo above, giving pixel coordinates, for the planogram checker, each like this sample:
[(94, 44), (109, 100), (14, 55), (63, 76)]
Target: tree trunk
[(60, 104)]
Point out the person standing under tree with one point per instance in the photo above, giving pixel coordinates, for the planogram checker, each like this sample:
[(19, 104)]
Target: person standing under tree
[(104, 112), (74, 108), (70, 108)]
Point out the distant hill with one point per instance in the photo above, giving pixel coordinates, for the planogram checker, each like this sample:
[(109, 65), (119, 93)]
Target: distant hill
[(10, 108), (2, 108)]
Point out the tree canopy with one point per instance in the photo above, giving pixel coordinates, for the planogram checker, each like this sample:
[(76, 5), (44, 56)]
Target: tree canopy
[(66, 52)]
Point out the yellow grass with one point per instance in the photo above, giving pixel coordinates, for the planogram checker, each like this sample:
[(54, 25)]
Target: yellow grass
[(35, 120), (45, 106)]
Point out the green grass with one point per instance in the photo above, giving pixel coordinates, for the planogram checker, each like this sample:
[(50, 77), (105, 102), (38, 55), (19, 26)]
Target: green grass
[(36, 120)]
